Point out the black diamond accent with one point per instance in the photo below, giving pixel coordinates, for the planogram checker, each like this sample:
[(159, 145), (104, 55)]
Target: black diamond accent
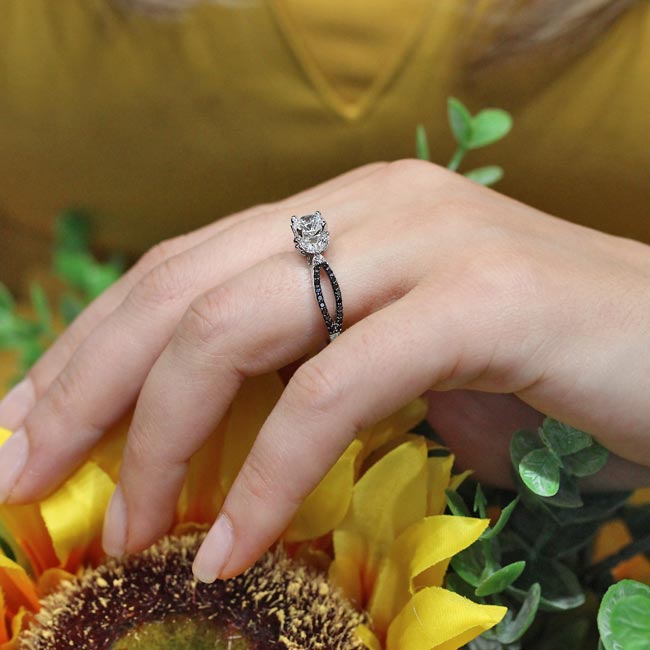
[(333, 326)]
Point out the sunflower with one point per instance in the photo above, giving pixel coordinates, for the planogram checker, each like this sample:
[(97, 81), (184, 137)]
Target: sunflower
[(362, 565)]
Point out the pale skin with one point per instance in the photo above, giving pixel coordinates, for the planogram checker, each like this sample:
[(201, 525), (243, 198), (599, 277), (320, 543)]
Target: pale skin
[(495, 311)]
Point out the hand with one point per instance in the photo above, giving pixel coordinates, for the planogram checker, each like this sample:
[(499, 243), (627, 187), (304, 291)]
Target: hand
[(446, 286)]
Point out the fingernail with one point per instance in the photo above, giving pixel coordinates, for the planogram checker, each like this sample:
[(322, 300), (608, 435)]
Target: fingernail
[(13, 458), (114, 535), (215, 551), (16, 404)]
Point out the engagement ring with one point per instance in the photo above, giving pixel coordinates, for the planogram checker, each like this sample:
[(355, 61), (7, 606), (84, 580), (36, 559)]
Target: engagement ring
[(311, 239)]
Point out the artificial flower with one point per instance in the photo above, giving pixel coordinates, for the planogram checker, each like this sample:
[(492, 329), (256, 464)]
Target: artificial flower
[(361, 565)]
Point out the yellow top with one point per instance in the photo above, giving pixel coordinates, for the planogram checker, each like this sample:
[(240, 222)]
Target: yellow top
[(160, 125)]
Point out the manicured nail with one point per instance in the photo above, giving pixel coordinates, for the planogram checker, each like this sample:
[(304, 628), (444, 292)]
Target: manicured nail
[(16, 404), (114, 536), (215, 551), (13, 458)]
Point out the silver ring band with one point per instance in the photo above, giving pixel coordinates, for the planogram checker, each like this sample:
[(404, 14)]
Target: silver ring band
[(311, 238)]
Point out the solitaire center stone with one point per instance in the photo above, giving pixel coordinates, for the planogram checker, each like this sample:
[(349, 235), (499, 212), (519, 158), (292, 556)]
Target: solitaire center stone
[(310, 233)]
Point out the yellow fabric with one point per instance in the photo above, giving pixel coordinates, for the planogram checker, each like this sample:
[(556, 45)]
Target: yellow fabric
[(158, 126)]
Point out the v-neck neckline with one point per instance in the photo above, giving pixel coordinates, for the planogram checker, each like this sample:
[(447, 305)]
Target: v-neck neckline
[(351, 49)]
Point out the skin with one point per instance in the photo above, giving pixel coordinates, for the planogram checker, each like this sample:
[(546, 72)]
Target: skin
[(493, 309)]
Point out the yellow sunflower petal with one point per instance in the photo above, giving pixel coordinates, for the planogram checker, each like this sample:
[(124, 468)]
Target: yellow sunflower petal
[(426, 546), (326, 506), (108, 451), (437, 619), (4, 632), (253, 404), (439, 477), (50, 581), (75, 512), (387, 499), (456, 481), (18, 588), (19, 623), (202, 496), (368, 638), (387, 429), (27, 528)]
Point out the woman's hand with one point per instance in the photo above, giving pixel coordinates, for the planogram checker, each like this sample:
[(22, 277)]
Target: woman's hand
[(446, 285)]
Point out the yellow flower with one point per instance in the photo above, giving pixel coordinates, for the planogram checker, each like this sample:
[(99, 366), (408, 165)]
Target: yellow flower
[(374, 524)]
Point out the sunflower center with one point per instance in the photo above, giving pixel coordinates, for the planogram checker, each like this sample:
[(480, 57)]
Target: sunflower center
[(152, 600), (191, 633)]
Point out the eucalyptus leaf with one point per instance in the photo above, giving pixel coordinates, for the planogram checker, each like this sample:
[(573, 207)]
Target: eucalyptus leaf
[(460, 121), (421, 143), (500, 580), (567, 496), (480, 502), (624, 616), (512, 629), (487, 176), (455, 583), (489, 126), (587, 461), (561, 589), (522, 443), (468, 564), (501, 522), (540, 471), (562, 438), (456, 504)]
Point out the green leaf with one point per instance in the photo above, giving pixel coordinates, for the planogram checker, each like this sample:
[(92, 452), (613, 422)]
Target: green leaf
[(540, 472), (455, 583), (500, 580), (71, 266), (456, 504), (521, 444), (98, 278), (501, 522), (489, 126), (72, 231), (587, 461), (41, 306), (568, 496), (561, 589), (468, 564), (562, 438), (480, 502), (6, 300), (512, 629), (70, 307), (624, 616), (421, 143), (460, 121), (486, 175)]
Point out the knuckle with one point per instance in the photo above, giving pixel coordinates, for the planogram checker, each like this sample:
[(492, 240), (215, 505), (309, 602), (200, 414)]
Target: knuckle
[(209, 316), (412, 170), (314, 388), (256, 480), (165, 283), (160, 252), (259, 484)]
